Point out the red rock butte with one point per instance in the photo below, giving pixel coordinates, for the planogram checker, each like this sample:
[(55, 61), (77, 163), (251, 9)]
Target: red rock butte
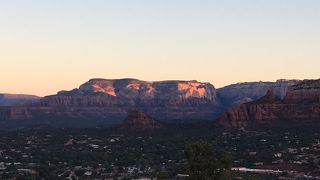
[(138, 120)]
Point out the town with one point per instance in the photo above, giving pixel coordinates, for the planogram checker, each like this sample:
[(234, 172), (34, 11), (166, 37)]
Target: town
[(108, 153)]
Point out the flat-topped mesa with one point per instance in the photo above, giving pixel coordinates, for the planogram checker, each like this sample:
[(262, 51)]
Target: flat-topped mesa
[(168, 92), (107, 99), (133, 88), (137, 120), (302, 103)]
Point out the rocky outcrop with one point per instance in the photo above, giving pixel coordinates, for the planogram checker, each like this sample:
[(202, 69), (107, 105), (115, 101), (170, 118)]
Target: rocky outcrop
[(17, 99), (137, 120), (304, 92), (111, 99), (301, 103), (244, 92), (167, 92)]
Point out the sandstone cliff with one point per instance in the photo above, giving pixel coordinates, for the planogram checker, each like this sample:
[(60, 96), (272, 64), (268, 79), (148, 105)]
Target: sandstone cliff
[(112, 99), (169, 92), (301, 103), (304, 92), (244, 92)]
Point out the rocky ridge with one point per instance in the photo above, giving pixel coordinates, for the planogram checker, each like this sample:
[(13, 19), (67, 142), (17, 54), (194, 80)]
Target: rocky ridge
[(245, 92), (112, 99), (109, 101), (301, 103)]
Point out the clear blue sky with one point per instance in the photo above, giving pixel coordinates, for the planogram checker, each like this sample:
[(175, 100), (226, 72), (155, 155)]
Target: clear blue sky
[(49, 45)]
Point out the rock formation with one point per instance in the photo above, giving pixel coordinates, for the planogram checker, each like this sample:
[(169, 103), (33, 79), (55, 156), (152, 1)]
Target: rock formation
[(244, 92), (301, 103), (137, 120), (110, 100), (176, 92), (304, 92)]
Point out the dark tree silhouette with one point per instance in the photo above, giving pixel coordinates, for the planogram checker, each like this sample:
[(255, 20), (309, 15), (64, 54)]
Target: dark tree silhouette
[(204, 165)]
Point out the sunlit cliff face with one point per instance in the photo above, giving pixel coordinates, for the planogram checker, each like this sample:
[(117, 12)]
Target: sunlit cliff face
[(99, 86), (131, 88), (193, 89), (109, 89)]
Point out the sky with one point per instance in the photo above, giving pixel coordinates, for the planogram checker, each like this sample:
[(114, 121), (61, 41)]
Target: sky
[(52, 45)]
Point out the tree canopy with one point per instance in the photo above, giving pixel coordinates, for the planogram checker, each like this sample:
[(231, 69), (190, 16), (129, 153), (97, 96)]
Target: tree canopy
[(204, 164)]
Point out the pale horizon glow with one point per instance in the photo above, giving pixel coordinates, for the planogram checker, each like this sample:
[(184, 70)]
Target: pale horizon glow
[(52, 45)]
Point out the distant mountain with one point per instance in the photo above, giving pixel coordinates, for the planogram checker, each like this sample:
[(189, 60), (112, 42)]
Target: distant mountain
[(17, 99), (250, 91), (301, 103), (137, 120), (110, 100), (144, 91)]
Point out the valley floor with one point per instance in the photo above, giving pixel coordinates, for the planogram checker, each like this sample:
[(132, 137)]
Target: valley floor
[(51, 153)]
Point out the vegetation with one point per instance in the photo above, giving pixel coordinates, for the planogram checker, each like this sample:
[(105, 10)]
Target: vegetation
[(204, 164)]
